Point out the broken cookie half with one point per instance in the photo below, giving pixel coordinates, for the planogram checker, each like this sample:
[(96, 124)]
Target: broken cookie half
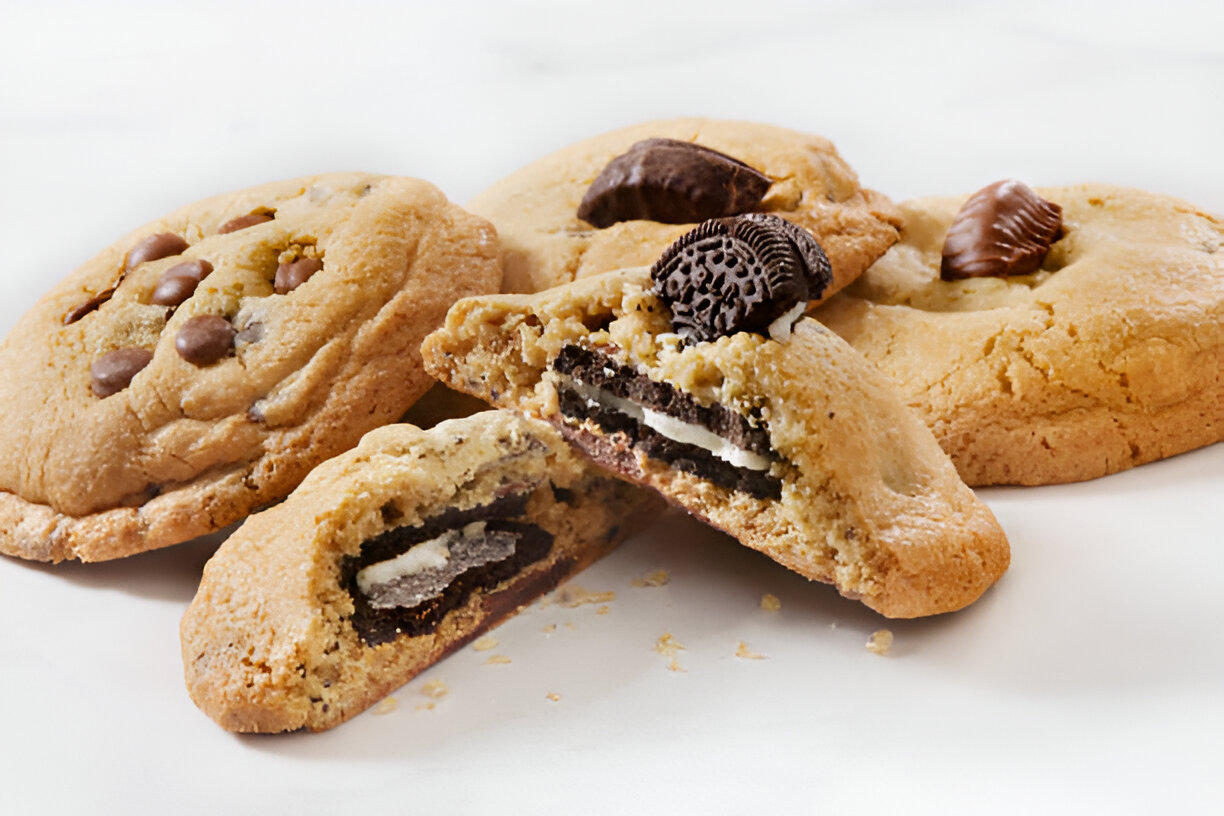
[(758, 421), (388, 558)]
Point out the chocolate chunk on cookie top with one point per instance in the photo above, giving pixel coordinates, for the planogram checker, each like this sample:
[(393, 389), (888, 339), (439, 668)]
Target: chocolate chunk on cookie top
[(1003, 229), (221, 356), (388, 558), (800, 449), (672, 182), (751, 273)]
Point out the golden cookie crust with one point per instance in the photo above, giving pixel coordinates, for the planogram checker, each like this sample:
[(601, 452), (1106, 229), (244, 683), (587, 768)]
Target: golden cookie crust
[(868, 502), (187, 449), (544, 243), (268, 643), (1110, 356)]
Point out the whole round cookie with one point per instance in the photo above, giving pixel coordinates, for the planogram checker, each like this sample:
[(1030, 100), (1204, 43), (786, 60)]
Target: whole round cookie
[(200, 367), (1109, 355), (657, 182)]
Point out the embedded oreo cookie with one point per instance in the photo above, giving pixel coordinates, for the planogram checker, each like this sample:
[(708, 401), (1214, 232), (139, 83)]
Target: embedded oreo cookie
[(388, 558), (796, 446), (751, 273), (198, 368)]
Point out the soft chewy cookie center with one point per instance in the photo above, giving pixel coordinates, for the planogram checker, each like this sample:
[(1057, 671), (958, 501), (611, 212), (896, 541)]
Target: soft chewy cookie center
[(407, 579)]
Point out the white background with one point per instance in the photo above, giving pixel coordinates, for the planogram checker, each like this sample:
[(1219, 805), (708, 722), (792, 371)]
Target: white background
[(1090, 679)]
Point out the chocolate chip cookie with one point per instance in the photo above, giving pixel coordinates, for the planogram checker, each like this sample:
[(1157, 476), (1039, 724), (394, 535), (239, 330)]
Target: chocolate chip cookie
[(753, 418), (388, 558), (619, 199), (1052, 335), (201, 366)]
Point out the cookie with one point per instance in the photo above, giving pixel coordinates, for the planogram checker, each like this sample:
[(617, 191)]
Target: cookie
[(386, 559), (201, 366), (784, 438), (1107, 354), (644, 186)]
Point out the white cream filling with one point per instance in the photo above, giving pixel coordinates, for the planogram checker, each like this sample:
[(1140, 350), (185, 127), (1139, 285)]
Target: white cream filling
[(674, 429), (781, 328)]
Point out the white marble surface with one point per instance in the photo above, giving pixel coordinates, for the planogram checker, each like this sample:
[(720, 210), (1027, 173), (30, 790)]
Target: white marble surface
[(1091, 679)]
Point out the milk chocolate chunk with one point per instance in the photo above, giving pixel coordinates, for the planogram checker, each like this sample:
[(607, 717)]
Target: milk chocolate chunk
[(1003, 229), (672, 182), (290, 276), (738, 274), (155, 247), (179, 282), (91, 305), (242, 222), (113, 371), (205, 339)]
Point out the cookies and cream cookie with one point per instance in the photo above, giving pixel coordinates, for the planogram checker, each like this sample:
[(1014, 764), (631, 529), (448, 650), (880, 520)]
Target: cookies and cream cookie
[(386, 559), (762, 423), (1052, 335), (619, 199), (200, 367)]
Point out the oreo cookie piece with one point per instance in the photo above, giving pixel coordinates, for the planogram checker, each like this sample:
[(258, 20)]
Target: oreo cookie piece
[(752, 273)]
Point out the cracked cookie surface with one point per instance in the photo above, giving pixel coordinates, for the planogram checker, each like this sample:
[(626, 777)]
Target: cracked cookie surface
[(545, 244), (1109, 356), (198, 368)]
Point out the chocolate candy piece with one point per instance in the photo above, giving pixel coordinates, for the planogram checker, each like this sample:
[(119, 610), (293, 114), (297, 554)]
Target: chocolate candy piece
[(88, 306), (242, 222), (738, 274), (290, 276), (178, 282), (161, 245), (1003, 229), (672, 182), (113, 371), (205, 339)]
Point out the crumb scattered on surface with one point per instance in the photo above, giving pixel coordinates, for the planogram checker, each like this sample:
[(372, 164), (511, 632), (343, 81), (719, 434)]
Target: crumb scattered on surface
[(667, 645), (485, 644), (425, 707), (570, 625), (770, 602), (497, 659), (552, 627), (572, 595), (880, 641), (554, 696), (385, 706), (743, 651), (435, 689), (674, 666), (603, 610), (653, 579)]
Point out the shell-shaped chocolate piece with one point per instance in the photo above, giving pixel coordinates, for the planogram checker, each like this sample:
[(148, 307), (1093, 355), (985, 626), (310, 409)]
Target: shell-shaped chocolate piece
[(1003, 229), (735, 274), (672, 182)]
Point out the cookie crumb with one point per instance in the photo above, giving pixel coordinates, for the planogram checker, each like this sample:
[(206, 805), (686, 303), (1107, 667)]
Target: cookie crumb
[(385, 706), (435, 689), (571, 596), (668, 646), (770, 602), (550, 628), (674, 666), (570, 626), (485, 644), (653, 579), (554, 696), (497, 659), (880, 642), (425, 707), (743, 651), (603, 610)]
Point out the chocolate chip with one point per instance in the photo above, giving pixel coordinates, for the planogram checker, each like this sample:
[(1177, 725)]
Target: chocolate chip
[(161, 245), (672, 182), (290, 276), (179, 282), (1003, 229), (113, 371), (242, 222), (205, 339), (738, 274), (88, 306)]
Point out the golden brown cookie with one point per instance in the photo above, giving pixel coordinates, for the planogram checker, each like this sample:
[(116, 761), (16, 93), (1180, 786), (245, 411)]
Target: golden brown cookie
[(545, 243), (388, 558), (790, 442), (201, 366), (1109, 355)]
